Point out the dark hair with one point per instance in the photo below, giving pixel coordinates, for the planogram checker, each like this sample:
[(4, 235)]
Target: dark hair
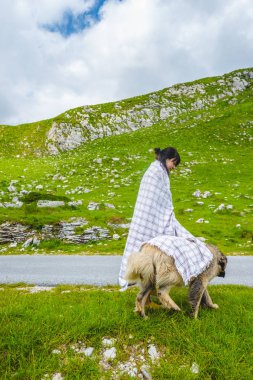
[(167, 153)]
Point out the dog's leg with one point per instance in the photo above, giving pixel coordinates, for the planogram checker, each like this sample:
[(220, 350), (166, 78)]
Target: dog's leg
[(142, 298), (206, 301), (196, 289), (166, 300)]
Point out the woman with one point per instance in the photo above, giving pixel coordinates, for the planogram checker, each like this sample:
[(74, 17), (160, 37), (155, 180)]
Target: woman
[(153, 212)]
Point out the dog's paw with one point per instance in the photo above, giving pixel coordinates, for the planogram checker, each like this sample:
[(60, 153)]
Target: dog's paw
[(215, 306), (176, 308)]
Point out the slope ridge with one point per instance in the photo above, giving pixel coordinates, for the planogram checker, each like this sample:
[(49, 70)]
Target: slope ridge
[(83, 124)]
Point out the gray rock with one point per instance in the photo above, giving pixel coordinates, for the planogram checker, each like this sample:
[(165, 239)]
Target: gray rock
[(46, 203), (28, 242), (12, 205), (93, 206), (64, 137), (14, 232), (12, 189), (109, 205), (75, 203)]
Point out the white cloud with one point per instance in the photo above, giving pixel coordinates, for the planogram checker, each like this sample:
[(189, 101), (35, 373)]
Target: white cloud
[(137, 47)]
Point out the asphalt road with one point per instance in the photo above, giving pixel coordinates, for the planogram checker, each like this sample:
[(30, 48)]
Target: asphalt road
[(94, 270)]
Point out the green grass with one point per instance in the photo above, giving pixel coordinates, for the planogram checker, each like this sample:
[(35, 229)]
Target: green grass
[(216, 151), (33, 325)]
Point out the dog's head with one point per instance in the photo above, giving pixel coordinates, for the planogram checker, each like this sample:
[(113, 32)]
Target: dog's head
[(222, 263)]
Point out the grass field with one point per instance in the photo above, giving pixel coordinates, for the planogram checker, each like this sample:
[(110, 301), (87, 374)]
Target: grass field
[(46, 335), (215, 144)]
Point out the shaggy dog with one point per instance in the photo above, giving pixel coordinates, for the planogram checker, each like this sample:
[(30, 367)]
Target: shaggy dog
[(153, 269)]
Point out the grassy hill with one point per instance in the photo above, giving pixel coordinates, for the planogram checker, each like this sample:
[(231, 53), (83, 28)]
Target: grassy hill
[(99, 154)]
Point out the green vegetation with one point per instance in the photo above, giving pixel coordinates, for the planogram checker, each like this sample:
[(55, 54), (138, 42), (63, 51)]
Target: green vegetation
[(41, 333), (34, 197), (215, 144)]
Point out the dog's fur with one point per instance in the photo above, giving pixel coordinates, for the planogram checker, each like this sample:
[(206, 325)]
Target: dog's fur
[(153, 269)]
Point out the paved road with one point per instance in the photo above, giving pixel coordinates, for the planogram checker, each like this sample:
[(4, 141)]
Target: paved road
[(94, 270)]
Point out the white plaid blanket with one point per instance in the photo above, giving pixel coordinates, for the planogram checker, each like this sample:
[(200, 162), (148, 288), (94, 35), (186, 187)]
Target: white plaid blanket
[(154, 216), (191, 257)]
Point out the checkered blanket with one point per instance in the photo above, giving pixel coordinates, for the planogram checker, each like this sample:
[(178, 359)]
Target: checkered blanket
[(154, 216), (191, 257)]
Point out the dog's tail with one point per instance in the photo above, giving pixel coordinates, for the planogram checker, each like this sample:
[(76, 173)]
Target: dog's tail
[(140, 267), (133, 271)]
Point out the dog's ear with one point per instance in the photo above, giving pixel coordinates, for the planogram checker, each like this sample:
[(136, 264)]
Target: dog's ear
[(223, 262)]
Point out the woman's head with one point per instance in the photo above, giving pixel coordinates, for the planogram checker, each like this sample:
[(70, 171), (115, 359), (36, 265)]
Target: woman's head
[(168, 156)]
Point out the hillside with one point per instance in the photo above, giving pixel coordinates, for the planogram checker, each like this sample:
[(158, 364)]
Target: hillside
[(99, 153)]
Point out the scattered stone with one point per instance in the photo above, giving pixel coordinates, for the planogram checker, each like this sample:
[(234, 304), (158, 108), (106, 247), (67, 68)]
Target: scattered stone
[(206, 194), (198, 194), (88, 351), (109, 205), (36, 241), (80, 348), (31, 241), (201, 220), (56, 352), (153, 352), (129, 368), (109, 353), (37, 289), (194, 368), (13, 245), (39, 187), (12, 189), (238, 226), (57, 376), (75, 203), (46, 203), (27, 242), (11, 205), (189, 210), (108, 342), (93, 206), (222, 207), (145, 372), (115, 237), (24, 192), (98, 160)]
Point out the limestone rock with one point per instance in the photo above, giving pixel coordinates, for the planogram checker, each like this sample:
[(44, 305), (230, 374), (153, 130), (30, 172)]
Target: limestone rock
[(75, 203), (46, 203), (93, 206), (14, 232)]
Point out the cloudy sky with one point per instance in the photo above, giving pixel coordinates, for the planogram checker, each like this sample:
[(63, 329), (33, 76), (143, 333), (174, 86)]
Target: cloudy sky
[(61, 54)]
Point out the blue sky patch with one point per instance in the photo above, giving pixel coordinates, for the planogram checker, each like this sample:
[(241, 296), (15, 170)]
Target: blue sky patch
[(75, 23)]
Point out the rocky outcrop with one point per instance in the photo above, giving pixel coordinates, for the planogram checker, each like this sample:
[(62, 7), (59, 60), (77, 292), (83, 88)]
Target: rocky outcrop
[(70, 231), (14, 232), (63, 137), (74, 231)]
